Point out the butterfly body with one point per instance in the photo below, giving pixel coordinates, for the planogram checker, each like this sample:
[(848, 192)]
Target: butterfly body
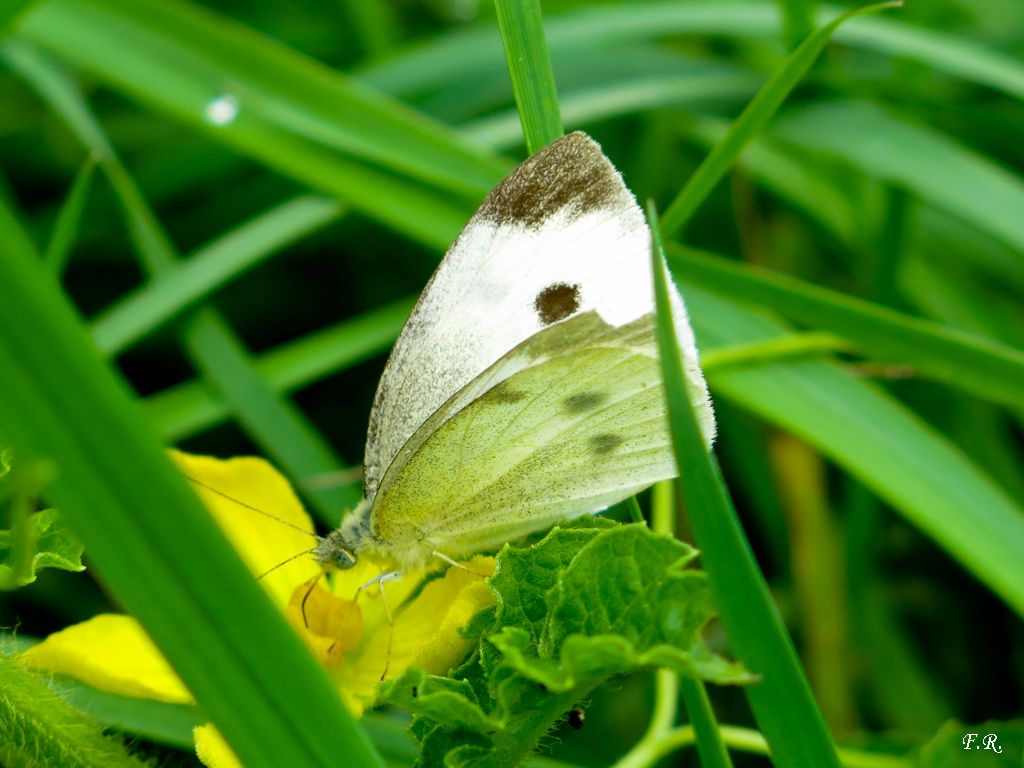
[(525, 388)]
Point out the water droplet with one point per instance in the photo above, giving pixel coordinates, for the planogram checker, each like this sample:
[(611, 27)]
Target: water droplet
[(222, 110)]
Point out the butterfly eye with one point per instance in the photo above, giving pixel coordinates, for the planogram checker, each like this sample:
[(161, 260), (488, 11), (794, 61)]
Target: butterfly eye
[(343, 559), (332, 552)]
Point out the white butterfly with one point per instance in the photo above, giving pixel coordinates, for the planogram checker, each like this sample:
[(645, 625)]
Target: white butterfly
[(525, 388)]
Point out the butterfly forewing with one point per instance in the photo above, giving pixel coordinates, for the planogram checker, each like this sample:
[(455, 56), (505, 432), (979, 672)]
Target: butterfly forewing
[(561, 235)]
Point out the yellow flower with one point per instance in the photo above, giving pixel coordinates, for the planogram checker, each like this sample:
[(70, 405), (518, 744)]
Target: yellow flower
[(353, 638)]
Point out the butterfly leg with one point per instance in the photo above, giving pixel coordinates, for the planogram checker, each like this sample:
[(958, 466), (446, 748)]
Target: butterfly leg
[(457, 564), (380, 579)]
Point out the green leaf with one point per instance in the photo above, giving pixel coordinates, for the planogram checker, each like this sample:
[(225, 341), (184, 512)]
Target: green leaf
[(50, 544), (591, 600), (38, 729), (952, 748)]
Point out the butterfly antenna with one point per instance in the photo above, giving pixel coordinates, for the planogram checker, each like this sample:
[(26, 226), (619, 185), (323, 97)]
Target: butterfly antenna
[(241, 503), (273, 568)]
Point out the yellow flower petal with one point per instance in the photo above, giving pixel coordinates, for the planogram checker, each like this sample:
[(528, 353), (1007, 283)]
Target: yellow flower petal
[(212, 750), (112, 653), (426, 633), (261, 541), (330, 625)]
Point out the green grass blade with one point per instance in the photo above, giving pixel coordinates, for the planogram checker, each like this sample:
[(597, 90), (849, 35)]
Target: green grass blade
[(581, 106), (710, 746), (972, 363), (290, 112), (878, 440), (449, 57), (274, 423), (157, 549), (65, 229), (781, 701), (529, 65), (189, 408), (797, 20), (750, 122), (211, 267), (917, 158)]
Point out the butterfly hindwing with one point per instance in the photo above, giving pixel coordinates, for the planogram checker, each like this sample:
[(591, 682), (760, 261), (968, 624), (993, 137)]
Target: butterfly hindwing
[(580, 425)]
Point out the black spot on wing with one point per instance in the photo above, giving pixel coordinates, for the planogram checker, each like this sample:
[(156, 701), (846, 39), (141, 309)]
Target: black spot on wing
[(584, 401), (605, 444), (505, 395), (557, 302), (569, 173)]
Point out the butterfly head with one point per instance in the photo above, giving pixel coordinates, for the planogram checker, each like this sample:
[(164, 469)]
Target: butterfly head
[(335, 551), (340, 548)]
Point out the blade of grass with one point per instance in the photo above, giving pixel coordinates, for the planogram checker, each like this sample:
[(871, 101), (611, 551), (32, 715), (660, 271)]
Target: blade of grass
[(587, 105), (148, 308), (189, 408), (291, 113), (273, 422), (450, 56), (927, 479), (669, 684), (529, 66), (920, 159), (981, 366), (154, 544), (753, 118), (65, 229), (797, 20), (781, 701)]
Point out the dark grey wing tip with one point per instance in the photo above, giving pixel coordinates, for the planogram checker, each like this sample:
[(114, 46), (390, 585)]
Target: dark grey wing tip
[(571, 172)]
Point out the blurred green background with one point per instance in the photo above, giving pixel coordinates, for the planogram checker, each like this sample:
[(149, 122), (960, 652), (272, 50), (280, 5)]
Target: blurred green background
[(892, 174)]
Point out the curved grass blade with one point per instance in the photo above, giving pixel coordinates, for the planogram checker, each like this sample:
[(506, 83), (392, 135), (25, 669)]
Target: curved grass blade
[(273, 422), (154, 544), (69, 219), (446, 59), (966, 361), (872, 436), (753, 118), (287, 111), (189, 408), (924, 161), (782, 701), (211, 267)]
